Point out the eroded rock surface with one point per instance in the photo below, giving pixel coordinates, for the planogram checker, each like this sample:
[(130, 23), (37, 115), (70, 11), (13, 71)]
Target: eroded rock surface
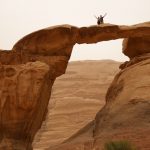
[(22, 89), (127, 112), (51, 48), (133, 47)]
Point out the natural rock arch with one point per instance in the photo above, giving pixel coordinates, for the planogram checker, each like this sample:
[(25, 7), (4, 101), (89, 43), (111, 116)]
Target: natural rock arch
[(40, 57)]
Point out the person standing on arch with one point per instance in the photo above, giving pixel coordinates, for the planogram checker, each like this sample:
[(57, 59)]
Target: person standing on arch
[(100, 19)]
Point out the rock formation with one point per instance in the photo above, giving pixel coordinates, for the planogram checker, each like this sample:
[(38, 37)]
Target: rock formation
[(126, 114), (22, 90), (30, 68)]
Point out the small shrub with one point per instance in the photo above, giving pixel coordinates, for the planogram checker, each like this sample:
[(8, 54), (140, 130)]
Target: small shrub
[(118, 145)]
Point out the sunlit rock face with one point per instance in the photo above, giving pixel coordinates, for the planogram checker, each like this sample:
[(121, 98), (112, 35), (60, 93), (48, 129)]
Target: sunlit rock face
[(22, 89), (30, 68), (26, 80)]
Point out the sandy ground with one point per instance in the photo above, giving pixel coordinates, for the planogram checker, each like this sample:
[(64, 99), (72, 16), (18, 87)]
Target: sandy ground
[(76, 98)]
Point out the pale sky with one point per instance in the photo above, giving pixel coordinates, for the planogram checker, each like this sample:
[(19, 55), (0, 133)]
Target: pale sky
[(21, 17)]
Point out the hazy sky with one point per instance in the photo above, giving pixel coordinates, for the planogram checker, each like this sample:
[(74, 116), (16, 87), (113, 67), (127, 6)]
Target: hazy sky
[(21, 17)]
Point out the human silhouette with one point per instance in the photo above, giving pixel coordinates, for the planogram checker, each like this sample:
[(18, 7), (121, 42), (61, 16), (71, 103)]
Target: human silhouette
[(100, 19)]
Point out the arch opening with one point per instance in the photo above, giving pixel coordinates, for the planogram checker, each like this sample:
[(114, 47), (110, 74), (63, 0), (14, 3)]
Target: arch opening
[(103, 50), (80, 93)]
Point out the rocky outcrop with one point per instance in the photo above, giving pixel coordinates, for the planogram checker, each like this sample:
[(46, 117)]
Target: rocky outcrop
[(31, 67), (22, 90), (133, 47), (127, 112)]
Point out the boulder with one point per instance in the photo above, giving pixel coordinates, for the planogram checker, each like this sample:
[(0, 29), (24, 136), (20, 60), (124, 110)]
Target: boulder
[(133, 47)]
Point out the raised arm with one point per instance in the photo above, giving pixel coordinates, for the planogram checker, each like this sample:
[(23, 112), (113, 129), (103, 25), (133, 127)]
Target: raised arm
[(95, 17), (105, 15)]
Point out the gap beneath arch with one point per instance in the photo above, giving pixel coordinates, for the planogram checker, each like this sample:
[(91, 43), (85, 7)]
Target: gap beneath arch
[(76, 97), (99, 51)]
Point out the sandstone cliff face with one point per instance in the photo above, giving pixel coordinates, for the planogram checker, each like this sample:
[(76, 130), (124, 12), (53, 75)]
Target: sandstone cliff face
[(127, 112), (22, 89), (24, 111), (26, 106)]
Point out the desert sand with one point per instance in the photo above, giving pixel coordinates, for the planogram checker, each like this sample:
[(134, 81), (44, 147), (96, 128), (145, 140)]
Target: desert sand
[(76, 97)]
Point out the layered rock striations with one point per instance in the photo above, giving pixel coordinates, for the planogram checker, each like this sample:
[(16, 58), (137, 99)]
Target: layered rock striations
[(70, 107), (30, 68)]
